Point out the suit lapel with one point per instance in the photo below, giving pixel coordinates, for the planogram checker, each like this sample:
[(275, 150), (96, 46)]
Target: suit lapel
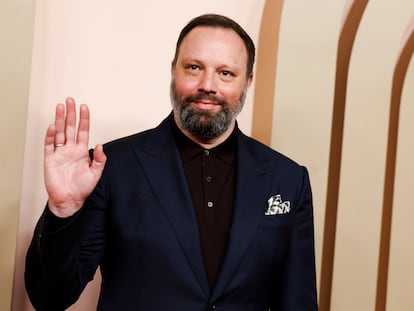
[(251, 180), (163, 169)]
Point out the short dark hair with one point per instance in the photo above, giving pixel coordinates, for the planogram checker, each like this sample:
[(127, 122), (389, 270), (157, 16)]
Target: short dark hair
[(220, 21)]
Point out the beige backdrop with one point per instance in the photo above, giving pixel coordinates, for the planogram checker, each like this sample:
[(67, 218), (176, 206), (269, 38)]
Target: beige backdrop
[(16, 34), (116, 57)]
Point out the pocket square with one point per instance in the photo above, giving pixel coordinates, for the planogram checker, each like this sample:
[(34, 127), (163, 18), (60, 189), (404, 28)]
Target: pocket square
[(277, 206)]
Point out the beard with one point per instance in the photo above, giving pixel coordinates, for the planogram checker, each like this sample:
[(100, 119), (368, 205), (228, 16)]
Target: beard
[(205, 124)]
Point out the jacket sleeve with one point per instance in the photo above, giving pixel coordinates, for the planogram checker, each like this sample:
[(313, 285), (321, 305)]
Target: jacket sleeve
[(297, 289), (64, 255)]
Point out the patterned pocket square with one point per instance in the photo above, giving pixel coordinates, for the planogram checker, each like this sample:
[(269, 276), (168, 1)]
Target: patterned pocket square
[(277, 206)]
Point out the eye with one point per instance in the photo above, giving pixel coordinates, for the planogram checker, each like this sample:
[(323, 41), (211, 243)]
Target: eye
[(226, 74), (193, 67)]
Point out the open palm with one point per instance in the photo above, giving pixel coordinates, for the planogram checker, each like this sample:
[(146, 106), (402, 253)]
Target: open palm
[(70, 175)]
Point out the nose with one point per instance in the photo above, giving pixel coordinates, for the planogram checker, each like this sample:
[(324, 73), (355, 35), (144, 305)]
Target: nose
[(208, 83)]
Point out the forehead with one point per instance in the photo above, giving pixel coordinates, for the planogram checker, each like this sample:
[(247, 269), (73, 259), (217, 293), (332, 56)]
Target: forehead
[(215, 42)]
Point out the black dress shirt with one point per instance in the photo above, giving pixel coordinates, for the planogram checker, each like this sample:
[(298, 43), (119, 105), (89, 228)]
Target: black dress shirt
[(210, 175)]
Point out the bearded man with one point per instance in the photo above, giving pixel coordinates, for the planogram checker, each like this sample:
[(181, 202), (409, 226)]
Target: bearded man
[(192, 215)]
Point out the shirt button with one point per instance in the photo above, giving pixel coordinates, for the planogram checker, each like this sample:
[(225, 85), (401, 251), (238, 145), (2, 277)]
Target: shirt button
[(207, 152), (210, 204), (208, 178)]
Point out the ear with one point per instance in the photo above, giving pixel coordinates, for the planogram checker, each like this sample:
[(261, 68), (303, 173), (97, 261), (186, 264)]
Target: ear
[(250, 80), (172, 67)]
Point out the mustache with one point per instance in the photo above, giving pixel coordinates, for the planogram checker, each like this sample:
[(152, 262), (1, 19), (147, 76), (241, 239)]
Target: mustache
[(199, 97)]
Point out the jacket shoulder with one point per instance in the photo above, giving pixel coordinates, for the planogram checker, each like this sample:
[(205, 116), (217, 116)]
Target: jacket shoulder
[(148, 138), (266, 153), (127, 142)]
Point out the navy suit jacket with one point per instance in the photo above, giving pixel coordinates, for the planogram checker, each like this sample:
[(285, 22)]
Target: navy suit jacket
[(140, 227)]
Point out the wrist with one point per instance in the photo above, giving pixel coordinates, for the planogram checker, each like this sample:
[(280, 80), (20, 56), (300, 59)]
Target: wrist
[(63, 210)]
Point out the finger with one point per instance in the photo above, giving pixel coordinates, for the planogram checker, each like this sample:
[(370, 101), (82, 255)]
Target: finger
[(59, 137), (83, 128), (50, 140), (70, 129)]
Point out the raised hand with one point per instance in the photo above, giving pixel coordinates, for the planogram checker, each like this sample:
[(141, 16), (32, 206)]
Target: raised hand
[(70, 175)]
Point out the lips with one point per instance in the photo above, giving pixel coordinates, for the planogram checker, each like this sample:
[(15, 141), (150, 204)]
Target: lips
[(205, 104)]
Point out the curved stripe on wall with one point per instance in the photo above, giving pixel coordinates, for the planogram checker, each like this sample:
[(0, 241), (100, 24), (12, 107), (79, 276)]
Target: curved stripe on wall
[(266, 71), (349, 29), (400, 72)]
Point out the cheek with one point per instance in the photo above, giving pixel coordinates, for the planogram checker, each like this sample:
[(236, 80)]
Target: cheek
[(185, 84), (231, 94)]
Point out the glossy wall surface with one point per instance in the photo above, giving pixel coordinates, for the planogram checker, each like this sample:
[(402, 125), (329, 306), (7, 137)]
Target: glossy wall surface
[(334, 90)]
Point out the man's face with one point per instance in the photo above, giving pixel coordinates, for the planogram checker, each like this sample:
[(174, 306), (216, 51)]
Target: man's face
[(209, 83)]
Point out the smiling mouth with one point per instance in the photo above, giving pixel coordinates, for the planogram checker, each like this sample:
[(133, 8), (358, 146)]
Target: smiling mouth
[(205, 104)]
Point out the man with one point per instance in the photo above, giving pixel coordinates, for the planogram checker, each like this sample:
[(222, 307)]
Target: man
[(192, 215)]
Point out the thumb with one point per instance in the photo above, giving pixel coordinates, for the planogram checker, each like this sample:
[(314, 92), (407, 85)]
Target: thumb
[(99, 159)]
